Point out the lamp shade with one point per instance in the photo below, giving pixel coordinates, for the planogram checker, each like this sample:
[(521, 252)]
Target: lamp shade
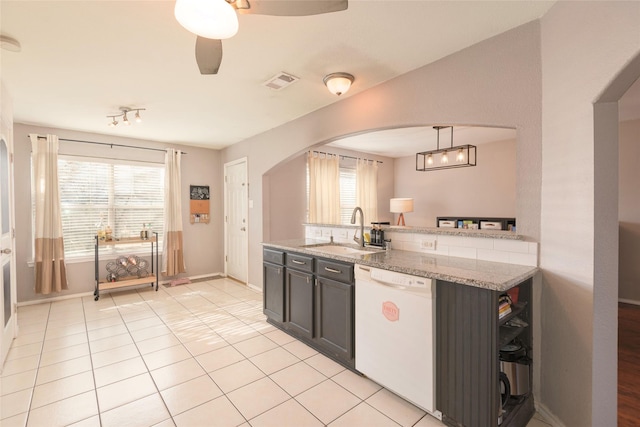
[(338, 83), (212, 19), (401, 205)]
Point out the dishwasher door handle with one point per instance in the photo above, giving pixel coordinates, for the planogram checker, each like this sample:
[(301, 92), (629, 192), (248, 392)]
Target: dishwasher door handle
[(388, 284)]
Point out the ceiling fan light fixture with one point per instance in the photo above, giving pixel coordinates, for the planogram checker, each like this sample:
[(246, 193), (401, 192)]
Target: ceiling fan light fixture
[(212, 19), (338, 83)]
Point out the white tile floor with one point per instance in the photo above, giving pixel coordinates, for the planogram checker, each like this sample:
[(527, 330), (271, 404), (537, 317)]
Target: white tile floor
[(194, 355)]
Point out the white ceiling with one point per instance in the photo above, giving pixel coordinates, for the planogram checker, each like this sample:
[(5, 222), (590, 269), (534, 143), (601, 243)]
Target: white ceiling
[(82, 60)]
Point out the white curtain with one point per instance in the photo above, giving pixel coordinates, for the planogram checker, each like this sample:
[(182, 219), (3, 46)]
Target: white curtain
[(50, 270), (324, 189), (367, 189), (173, 253)]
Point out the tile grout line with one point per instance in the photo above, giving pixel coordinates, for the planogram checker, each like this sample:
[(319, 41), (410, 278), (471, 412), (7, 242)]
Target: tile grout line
[(35, 381)]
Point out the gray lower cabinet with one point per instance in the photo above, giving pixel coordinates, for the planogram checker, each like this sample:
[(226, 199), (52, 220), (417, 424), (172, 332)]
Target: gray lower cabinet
[(469, 337), (299, 302), (335, 323), (318, 302), (273, 284)]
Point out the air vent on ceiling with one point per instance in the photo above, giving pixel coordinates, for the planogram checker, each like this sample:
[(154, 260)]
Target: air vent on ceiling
[(280, 81)]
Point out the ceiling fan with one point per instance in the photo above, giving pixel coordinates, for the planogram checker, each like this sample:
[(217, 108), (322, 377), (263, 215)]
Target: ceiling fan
[(215, 20)]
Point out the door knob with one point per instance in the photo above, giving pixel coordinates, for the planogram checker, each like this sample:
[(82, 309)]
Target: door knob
[(6, 251), (243, 229)]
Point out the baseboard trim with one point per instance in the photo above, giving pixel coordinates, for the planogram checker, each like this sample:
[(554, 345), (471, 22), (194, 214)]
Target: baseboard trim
[(629, 301), (550, 418), (254, 287), (86, 294), (54, 299)]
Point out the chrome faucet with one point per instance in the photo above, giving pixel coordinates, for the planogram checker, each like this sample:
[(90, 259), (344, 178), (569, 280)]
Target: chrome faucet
[(359, 241)]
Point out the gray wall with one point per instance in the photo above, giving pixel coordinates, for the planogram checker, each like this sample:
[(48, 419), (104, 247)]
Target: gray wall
[(488, 189), (203, 243), (585, 45)]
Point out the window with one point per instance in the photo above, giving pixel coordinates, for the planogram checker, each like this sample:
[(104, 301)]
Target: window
[(123, 195), (347, 192)]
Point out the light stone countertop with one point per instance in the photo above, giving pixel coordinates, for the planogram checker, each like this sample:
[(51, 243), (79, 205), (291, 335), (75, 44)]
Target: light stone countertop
[(495, 276), (442, 231)]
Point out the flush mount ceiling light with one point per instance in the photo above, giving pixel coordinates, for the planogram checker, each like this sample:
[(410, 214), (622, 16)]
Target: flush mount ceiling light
[(123, 114), (211, 19), (338, 83), (446, 158)]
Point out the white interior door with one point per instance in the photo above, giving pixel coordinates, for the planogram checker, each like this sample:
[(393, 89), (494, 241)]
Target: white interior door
[(7, 250), (236, 193)]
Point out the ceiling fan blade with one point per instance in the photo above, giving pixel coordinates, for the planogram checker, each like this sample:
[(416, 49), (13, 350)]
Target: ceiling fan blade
[(208, 55), (291, 7)]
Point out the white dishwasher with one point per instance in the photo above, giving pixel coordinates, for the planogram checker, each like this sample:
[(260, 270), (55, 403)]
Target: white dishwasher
[(395, 335)]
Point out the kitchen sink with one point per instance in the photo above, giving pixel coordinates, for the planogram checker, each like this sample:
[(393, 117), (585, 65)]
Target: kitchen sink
[(342, 250)]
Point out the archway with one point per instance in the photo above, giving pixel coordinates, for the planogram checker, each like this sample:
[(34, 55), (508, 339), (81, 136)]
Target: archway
[(605, 298)]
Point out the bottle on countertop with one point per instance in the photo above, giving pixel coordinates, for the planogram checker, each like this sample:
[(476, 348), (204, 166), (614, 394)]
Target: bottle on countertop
[(144, 234)]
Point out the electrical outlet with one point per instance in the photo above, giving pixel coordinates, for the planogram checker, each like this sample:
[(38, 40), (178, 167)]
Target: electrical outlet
[(429, 243)]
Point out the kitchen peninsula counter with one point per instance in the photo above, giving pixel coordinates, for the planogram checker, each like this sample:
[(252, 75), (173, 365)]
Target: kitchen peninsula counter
[(495, 276)]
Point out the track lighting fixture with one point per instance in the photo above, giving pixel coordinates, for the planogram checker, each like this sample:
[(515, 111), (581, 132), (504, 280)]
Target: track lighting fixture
[(123, 114)]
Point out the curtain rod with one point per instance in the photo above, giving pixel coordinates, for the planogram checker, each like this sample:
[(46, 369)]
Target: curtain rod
[(107, 143), (345, 157)]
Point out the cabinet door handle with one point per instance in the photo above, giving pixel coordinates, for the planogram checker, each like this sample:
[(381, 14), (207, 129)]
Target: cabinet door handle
[(295, 261), (279, 271), (332, 270)]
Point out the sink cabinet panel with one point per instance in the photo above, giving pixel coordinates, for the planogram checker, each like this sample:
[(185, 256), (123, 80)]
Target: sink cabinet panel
[(273, 291), (299, 297), (335, 317)]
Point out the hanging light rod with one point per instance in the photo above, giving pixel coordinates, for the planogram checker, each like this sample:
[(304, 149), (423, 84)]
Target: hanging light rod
[(446, 158), (123, 113)]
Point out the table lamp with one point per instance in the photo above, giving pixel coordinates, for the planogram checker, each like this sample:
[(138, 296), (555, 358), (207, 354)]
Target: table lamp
[(401, 205)]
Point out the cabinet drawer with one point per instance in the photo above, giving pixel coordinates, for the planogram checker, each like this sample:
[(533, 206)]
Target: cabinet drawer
[(273, 256), (299, 262), (335, 270)]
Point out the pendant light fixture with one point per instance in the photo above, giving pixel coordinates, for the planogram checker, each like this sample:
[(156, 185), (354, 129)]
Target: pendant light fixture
[(211, 19), (338, 83), (446, 158)]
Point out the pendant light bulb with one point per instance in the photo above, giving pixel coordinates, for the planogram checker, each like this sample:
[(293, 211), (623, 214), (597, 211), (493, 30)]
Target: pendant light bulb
[(429, 159), (113, 123), (125, 120), (445, 158), (138, 118), (460, 155)]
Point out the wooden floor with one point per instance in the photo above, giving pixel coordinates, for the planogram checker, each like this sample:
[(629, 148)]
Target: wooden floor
[(628, 365)]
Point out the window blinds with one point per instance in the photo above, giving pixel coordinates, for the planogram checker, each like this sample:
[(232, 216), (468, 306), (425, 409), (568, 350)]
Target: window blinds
[(123, 196)]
